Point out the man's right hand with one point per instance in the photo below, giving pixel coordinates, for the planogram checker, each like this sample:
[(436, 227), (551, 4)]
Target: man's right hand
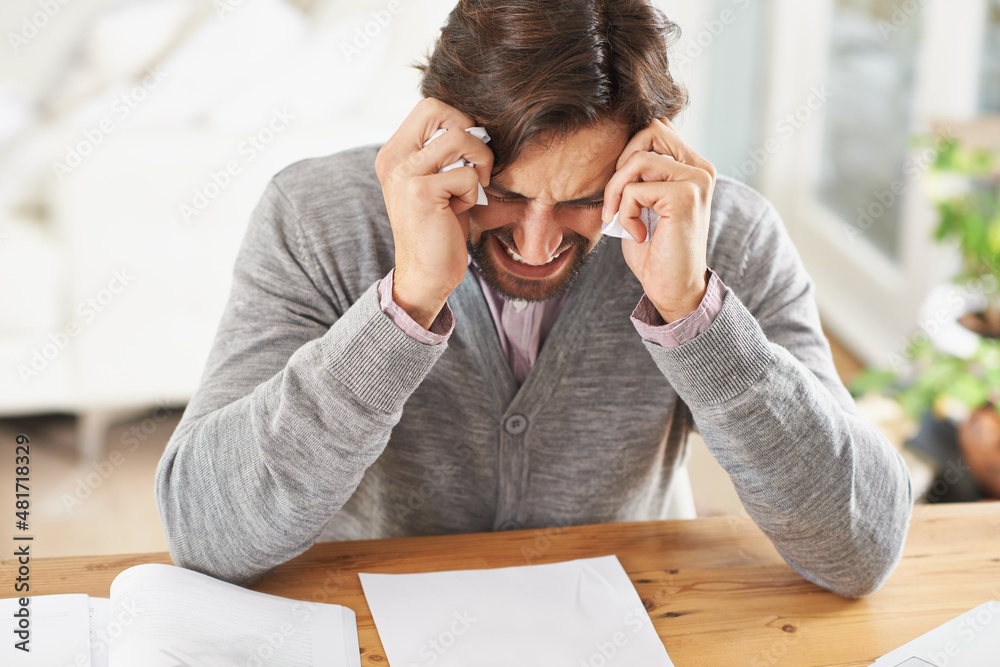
[(428, 210)]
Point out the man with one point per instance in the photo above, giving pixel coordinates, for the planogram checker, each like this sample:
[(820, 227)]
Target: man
[(397, 360)]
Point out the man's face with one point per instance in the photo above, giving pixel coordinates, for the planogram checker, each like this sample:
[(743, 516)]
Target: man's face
[(544, 215)]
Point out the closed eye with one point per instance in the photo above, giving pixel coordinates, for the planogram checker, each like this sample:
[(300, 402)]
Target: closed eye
[(576, 204), (505, 200)]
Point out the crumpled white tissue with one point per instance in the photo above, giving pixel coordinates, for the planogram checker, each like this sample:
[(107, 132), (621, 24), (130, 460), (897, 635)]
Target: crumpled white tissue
[(648, 217), (479, 133)]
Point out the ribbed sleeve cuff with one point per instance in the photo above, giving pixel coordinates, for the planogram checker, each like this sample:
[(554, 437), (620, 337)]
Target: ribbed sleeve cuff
[(440, 330), (720, 363), (650, 325), (375, 359)]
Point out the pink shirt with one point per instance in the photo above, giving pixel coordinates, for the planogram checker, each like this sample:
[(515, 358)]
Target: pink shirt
[(523, 326)]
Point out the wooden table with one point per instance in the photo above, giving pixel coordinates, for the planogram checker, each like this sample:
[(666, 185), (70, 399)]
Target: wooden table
[(717, 591)]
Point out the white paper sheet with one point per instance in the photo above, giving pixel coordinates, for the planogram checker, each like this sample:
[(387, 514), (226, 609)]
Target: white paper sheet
[(100, 642), (969, 640), (174, 616), (581, 613), (479, 133), (648, 217), (59, 632)]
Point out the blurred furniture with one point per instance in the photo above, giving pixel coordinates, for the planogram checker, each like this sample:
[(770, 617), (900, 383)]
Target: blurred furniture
[(126, 188)]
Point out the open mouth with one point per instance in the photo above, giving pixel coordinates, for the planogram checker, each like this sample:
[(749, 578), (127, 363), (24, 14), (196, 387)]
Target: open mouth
[(518, 258), (517, 265)]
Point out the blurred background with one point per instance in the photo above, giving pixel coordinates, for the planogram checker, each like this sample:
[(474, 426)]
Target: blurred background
[(136, 136)]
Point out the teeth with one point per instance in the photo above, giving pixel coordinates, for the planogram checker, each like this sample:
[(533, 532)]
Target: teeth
[(518, 258)]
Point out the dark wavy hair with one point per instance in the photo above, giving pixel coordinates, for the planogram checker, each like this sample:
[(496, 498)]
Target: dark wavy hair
[(523, 68)]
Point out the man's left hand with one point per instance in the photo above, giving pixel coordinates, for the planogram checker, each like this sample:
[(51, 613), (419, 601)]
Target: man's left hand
[(659, 170)]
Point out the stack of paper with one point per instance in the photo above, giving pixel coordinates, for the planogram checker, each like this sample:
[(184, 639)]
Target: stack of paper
[(165, 616)]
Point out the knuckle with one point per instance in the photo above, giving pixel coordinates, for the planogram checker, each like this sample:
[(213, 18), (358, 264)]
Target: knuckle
[(637, 159), (708, 182), (668, 162), (692, 192), (470, 176), (412, 163), (629, 200), (416, 188), (711, 171)]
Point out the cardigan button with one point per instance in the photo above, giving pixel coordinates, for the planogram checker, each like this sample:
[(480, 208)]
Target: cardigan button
[(516, 424)]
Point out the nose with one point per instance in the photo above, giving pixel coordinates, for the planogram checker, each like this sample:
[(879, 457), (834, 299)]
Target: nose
[(538, 236)]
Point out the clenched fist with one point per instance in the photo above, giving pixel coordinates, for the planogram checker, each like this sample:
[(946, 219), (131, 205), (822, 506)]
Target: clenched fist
[(428, 210)]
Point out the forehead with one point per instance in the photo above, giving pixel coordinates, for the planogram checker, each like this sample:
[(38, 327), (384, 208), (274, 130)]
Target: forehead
[(563, 167)]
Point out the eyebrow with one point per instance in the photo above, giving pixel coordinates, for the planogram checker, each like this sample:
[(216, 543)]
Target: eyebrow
[(589, 199)]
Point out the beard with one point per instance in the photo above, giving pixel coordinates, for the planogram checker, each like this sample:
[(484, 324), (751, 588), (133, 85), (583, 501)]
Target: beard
[(512, 286)]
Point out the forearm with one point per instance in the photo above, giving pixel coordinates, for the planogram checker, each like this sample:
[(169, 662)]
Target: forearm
[(825, 486), (248, 486)]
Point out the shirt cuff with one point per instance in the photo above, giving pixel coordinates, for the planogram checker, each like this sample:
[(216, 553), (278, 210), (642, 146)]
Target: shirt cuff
[(654, 329), (440, 330)]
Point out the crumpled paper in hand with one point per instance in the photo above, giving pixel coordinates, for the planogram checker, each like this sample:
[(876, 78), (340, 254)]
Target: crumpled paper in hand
[(648, 217), (479, 133)]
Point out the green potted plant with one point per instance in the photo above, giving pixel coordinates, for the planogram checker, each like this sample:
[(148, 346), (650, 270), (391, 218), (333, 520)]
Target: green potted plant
[(937, 386), (971, 219), (932, 385)]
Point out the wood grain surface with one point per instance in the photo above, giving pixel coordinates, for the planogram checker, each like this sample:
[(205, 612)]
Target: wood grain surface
[(716, 589)]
